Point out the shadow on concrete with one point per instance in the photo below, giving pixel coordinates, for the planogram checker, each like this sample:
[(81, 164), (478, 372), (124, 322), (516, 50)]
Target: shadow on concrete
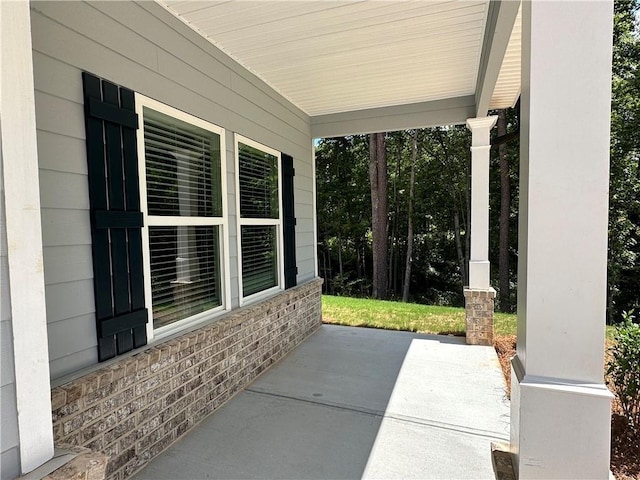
[(353, 403)]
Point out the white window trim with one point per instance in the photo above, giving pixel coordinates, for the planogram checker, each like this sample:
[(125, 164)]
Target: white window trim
[(256, 297), (152, 221)]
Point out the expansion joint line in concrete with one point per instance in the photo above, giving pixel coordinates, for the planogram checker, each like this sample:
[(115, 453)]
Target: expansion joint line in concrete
[(476, 432)]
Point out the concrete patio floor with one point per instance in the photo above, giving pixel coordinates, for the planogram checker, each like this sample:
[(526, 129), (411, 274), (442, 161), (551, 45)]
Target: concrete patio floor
[(355, 403)]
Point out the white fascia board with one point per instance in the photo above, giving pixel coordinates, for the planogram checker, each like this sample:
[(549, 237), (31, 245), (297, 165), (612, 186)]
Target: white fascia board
[(500, 22), (451, 111)]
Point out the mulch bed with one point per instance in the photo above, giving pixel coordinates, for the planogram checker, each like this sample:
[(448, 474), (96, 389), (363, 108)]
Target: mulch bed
[(625, 444)]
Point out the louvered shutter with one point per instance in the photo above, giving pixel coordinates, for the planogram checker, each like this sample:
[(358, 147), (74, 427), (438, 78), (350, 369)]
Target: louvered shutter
[(116, 220), (289, 222)]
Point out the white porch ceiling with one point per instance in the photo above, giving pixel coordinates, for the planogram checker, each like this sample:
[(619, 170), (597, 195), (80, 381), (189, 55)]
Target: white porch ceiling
[(332, 57)]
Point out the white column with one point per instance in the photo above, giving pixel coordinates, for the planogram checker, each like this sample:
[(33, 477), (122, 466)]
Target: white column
[(480, 152), (560, 410), (24, 237)]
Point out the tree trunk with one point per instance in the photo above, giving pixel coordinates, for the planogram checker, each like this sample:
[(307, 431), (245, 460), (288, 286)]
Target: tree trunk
[(340, 255), (461, 258), (379, 212), (408, 261), (393, 248), (505, 209)]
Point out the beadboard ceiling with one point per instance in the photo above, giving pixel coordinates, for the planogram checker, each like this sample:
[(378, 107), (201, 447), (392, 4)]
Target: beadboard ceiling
[(331, 57)]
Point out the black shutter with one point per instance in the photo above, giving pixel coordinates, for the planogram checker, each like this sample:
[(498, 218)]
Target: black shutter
[(289, 219), (116, 220)]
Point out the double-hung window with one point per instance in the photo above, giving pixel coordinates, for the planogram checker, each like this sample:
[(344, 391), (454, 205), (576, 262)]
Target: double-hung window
[(183, 196), (259, 221)]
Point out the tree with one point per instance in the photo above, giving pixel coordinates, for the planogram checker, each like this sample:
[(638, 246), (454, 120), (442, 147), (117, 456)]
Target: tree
[(624, 188), (379, 212), (407, 268), (344, 214)]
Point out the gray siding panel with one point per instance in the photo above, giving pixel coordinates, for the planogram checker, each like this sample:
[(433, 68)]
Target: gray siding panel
[(65, 227), (90, 23), (7, 372), (62, 154), (5, 297), (61, 80), (50, 112), (63, 190), (68, 300), (307, 269), (64, 335), (73, 362), (10, 463), (57, 41), (142, 47), (9, 433), (67, 264), (9, 457)]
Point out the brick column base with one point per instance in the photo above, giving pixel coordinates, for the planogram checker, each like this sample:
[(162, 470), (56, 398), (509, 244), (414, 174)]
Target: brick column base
[(72, 463), (479, 313)]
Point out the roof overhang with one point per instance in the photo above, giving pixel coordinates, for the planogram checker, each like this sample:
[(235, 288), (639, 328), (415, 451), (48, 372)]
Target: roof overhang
[(365, 66)]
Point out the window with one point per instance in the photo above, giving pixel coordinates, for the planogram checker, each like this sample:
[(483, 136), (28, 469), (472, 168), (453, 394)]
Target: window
[(259, 224), (183, 201)]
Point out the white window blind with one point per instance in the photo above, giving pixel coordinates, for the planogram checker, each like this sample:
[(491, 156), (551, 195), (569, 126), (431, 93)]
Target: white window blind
[(184, 206), (183, 168), (259, 258), (260, 223), (185, 272), (258, 174)]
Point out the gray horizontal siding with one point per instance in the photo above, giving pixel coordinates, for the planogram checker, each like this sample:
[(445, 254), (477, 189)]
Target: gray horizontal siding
[(64, 337), (63, 190), (7, 372), (67, 264), (62, 154), (142, 47), (5, 298), (69, 299), (9, 414), (9, 458), (9, 463), (65, 227), (59, 367)]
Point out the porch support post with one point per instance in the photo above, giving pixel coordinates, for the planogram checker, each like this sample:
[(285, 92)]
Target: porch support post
[(560, 407), (24, 236), (479, 296)]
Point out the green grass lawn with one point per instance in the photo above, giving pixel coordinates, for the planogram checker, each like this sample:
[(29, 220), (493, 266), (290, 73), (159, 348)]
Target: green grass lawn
[(412, 317), (362, 312)]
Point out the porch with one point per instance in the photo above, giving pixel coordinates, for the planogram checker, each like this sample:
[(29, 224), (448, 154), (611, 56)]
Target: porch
[(50, 322), (355, 403)]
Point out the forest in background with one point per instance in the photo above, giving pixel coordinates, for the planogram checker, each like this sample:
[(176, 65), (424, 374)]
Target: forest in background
[(411, 189)]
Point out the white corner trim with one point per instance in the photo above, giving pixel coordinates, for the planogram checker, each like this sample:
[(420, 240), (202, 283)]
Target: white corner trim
[(24, 237), (314, 202)]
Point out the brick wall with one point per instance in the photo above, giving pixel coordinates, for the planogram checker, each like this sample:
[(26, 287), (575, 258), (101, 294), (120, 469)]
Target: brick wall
[(134, 409), (479, 306)]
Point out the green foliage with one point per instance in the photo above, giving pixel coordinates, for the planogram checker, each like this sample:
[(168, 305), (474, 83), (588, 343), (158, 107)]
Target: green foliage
[(623, 369), (624, 189), (344, 213)]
